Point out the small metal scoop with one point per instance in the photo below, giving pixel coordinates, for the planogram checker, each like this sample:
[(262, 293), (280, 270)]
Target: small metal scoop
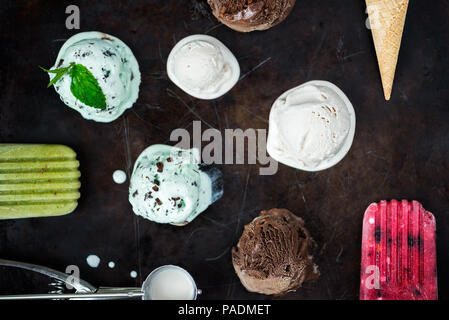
[(85, 290)]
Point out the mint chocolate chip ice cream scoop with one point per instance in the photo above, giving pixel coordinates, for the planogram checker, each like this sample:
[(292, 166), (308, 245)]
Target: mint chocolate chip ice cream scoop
[(97, 75), (169, 185)]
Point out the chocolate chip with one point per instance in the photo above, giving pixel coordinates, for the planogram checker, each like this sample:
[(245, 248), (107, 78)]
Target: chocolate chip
[(107, 38), (175, 200), (108, 53), (160, 166), (159, 202), (106, 73), (155, 188)]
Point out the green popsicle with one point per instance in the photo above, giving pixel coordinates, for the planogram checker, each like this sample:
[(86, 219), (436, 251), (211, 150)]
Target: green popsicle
[(37, 180)]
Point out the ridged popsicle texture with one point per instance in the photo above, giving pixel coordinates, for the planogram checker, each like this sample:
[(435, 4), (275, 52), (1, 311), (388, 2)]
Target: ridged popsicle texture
[(37, 180), (398, 252)]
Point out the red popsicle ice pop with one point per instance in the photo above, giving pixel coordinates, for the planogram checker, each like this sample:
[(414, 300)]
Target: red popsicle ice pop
[(398, 252)]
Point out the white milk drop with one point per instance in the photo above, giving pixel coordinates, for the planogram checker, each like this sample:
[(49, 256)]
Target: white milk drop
[(93, 261), (119, 176)]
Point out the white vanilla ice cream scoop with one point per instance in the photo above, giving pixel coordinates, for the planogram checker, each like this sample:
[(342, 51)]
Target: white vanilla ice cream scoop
[(203, 67), (112, 64), (311, 126), (169, 185)]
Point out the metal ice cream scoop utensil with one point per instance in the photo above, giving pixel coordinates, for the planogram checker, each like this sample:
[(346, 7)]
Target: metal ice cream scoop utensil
[(85, 290)]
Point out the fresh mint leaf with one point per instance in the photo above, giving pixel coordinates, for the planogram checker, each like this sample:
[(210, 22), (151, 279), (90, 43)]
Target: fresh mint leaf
[(52, 71), (56, 78), (59, 73), (85, 87)]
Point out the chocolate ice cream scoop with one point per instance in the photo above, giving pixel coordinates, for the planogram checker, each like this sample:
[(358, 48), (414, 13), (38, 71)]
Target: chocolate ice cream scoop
[(272, 256), (250, 15)]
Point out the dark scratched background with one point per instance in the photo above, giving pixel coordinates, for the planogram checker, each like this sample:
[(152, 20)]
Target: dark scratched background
[(400, 149)]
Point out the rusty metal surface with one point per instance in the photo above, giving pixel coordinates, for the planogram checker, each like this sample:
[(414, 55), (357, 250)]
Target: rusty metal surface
[(400, 150)]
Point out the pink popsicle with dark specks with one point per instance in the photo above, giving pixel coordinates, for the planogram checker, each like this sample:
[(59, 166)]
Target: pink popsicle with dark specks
[(398, 252)]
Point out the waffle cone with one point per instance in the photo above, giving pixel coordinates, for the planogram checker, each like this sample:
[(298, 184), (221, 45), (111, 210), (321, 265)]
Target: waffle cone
[(387, 19)]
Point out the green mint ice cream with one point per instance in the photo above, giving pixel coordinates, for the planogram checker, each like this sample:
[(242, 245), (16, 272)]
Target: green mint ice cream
[(112, 64), (168, 185)]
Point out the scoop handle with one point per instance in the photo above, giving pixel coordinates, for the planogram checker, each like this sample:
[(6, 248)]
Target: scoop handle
[(105, 293)]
